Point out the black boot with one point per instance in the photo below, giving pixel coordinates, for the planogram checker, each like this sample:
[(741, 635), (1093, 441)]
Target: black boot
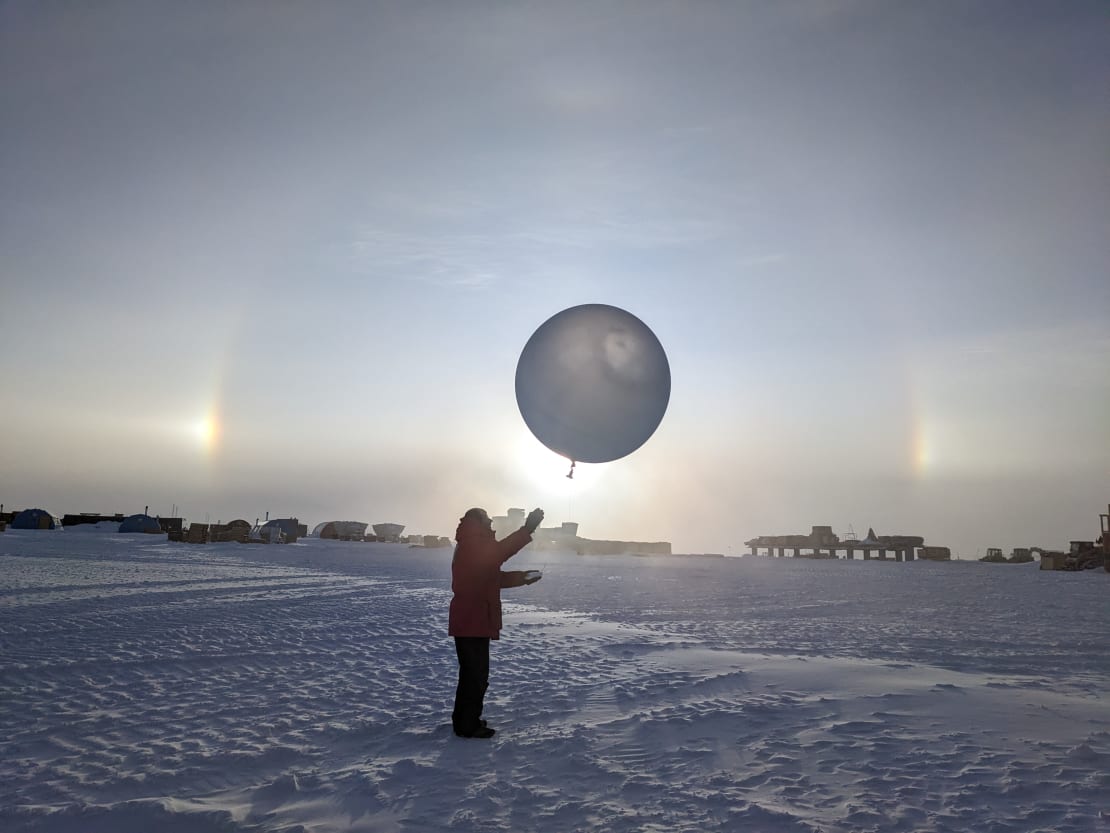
[(482, 732)]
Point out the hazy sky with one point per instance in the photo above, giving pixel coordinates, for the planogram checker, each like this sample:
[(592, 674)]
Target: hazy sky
[(267, 256)]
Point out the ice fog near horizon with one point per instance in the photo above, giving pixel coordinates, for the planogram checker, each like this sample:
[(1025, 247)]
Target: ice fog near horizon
[(307, 687)]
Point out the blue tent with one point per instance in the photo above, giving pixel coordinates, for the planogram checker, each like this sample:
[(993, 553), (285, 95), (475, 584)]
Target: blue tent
[(34, 519), (139, 523)]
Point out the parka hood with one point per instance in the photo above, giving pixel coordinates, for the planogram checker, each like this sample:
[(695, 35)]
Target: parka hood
[(472, 528)]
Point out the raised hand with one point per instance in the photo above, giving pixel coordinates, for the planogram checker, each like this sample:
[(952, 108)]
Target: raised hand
[(535, 517)]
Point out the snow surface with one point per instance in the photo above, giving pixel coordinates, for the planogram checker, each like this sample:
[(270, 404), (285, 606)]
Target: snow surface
[(148, 685)]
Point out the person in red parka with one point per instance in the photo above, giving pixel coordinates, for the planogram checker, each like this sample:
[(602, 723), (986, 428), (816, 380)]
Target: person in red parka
[(475, 618)]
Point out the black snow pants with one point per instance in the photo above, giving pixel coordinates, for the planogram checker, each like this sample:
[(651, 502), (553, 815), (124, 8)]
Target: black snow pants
[(473, 653)]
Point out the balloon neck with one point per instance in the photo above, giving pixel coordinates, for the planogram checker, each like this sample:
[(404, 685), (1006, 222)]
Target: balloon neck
[(570, 474)]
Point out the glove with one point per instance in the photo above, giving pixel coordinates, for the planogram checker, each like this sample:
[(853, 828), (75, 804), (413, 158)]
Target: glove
[(535, 517)]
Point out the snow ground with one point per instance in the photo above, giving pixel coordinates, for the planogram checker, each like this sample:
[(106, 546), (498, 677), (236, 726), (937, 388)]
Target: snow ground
[(146, 686)]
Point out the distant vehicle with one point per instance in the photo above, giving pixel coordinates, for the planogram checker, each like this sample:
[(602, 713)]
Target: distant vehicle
[(1082, 555)]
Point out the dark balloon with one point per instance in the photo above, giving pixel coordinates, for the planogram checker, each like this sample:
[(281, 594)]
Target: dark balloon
[(593, 383)]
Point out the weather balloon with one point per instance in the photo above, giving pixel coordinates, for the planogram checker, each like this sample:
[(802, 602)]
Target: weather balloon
[(593, 383)]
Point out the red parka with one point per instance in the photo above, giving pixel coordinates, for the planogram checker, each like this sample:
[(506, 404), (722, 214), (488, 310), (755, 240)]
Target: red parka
[(477, 579)]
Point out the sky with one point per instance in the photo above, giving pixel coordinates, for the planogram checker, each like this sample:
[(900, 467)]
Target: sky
[(271, 257)]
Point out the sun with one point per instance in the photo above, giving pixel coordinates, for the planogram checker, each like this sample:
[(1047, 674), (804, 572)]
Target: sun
[(547, 471), (206, 430)]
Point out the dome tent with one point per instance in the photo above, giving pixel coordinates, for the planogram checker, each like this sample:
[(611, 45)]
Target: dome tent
[(139, 523), (341, 530), (35, 519), (290, 528)]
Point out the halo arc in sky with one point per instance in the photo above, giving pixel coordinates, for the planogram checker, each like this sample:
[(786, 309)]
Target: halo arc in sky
[(593, 383)]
